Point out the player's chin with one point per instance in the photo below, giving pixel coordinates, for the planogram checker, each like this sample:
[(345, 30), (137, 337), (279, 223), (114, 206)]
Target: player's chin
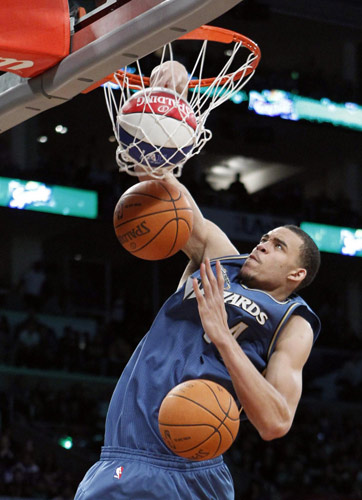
[(244, 275), (248, 272), (248, 264)]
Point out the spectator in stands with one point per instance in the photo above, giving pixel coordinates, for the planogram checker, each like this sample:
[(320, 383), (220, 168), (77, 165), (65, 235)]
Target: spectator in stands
[(7, 459), (5, 339), (32, 286), (27, 342)]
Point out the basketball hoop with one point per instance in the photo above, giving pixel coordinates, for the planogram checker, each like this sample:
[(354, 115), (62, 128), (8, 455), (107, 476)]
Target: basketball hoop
[(207, 92)]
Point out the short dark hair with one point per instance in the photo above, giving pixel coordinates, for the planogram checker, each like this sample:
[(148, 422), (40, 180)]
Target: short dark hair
[(310, 258)]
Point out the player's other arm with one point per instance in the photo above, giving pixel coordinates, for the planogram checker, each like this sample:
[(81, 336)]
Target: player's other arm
[(269, 401)]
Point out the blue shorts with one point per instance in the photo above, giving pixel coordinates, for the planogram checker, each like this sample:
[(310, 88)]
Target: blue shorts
[(124, 474)]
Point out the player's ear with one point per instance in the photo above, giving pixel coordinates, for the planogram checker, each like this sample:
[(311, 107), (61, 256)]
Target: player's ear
[(297, 275)]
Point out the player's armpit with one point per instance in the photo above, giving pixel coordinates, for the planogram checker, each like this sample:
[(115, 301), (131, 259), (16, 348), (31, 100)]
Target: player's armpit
[(208, 241), (189, 269)]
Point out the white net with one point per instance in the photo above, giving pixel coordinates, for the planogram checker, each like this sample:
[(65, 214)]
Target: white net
[(153, 143)]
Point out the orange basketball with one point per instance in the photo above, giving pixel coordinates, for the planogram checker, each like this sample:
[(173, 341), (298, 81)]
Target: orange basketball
[(153, 220), (198, 419)]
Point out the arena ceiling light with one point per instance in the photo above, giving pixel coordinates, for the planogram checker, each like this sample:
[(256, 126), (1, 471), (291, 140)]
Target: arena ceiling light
[(254, 174), (220, 177)]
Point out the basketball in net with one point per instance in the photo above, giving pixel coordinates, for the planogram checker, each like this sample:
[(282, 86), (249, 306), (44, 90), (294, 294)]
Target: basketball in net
[(153, 220), (198, 419), (162, 149), (156, 128)]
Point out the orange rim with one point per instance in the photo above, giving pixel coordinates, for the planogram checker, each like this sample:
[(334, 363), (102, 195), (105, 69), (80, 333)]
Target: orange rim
[(213, 34)]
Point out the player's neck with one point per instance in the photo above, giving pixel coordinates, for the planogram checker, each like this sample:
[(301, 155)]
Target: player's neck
[(280, 293)]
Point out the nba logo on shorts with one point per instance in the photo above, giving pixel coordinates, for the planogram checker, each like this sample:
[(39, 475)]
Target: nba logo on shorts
[(118, 473)]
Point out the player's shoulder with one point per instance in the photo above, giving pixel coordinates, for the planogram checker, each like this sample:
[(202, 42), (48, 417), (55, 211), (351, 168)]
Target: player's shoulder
[(304, 315), (297, 337), (299, 323)]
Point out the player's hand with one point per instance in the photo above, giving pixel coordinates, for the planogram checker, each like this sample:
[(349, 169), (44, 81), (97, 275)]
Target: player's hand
[(211, 303), (171, 75)]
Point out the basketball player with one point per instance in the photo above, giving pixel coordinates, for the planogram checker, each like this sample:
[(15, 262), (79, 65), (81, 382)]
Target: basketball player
[(234, 319)]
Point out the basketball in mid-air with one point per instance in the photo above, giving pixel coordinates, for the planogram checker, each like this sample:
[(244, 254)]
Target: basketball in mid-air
[(198, 419), (156, 128), (153, 220)]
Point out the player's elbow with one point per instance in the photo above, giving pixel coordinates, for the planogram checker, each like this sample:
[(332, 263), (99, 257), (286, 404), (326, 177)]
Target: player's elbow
[(275, 430)]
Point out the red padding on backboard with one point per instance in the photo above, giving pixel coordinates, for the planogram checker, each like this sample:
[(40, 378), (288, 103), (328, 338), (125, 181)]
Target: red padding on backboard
[(34, 35)]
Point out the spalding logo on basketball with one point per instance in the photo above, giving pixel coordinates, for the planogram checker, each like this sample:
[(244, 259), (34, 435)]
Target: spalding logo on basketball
[(156, 128)]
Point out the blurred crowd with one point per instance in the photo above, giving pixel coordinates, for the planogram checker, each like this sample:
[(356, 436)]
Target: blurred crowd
[(27, 473), (318, 460), (33, 344)]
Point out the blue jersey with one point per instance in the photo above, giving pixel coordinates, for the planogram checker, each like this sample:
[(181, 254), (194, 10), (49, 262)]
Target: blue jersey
[(176, 349)]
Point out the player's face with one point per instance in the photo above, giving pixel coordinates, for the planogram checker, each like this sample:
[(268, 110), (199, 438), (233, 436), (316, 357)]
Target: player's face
[(273, 260)]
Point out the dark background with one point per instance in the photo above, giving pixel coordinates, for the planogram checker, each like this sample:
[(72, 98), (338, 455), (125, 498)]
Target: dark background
[(97, 301)]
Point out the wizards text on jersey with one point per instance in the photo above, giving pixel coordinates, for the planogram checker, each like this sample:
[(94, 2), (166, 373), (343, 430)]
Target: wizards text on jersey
[(234, 299)]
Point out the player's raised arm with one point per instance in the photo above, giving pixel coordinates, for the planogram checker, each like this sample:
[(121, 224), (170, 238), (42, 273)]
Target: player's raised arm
[(207, 239)]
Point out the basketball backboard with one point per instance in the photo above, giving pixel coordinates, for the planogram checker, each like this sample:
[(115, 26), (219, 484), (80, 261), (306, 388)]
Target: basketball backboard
[(114, 35)]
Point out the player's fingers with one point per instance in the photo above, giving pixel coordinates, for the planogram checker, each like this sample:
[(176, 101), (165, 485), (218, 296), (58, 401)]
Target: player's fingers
[(170, 74), (214, 282), (219, 276), (205, 280), (199, 296)]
